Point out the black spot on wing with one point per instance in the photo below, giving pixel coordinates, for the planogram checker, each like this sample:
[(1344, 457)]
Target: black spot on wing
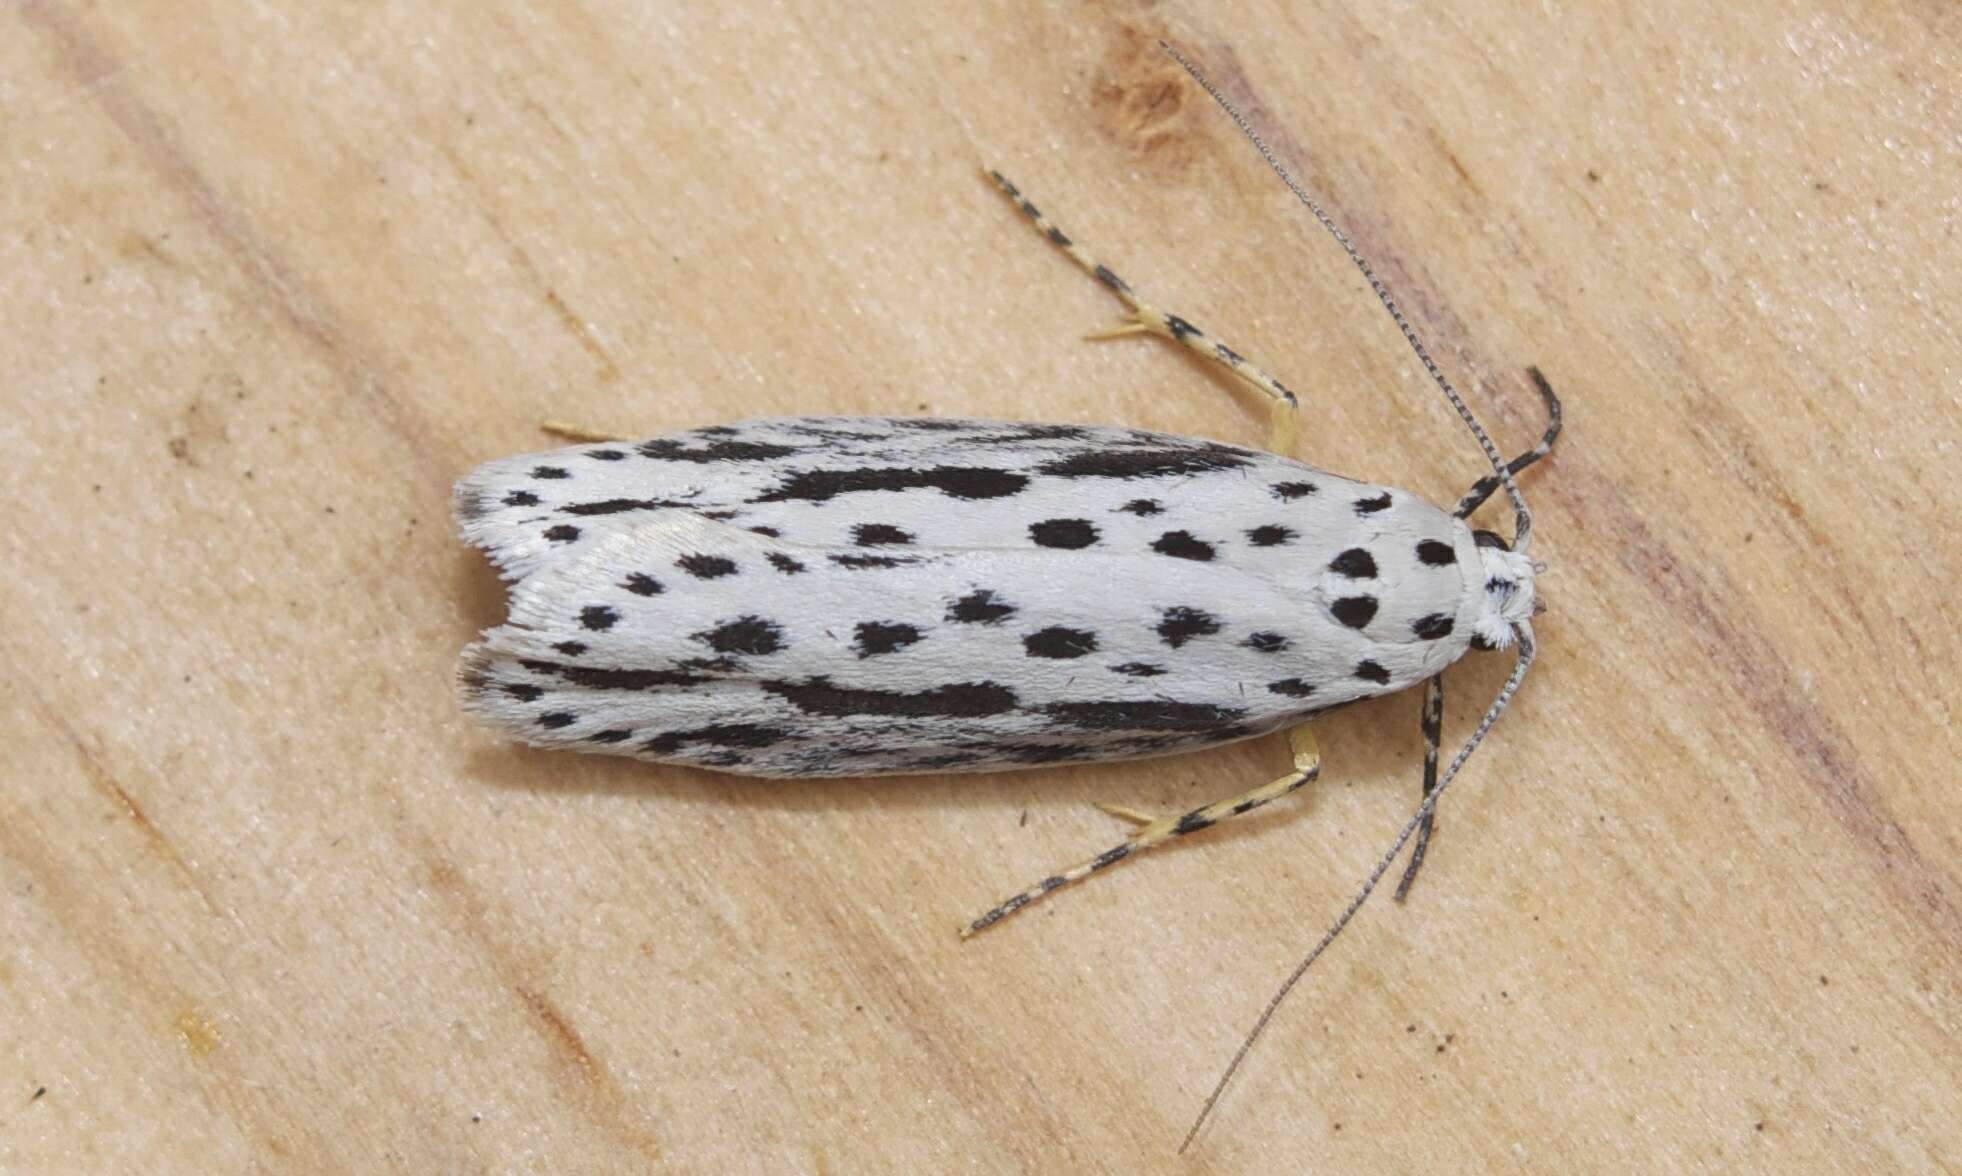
[(1354, 611), (1138, 670), (1059, 641), (784, 563), (1437, 555), (860, 560), (1021, 433), (672, 449), (554, 720), (549, 473), (614, 736), (966, 482), (879, 535), (1369, 671), (1182, 545), (980, 607), (570, 648), (751, 635), (598, 617), (964, 700), (642, 584), (706, 567), (1432, 627), (1146, 462), (716, 735), (596, 678), (618, 506), (563, 533), (1152, 715), (875, 637), (523, 691), (1366, 506), (1289, 491), (1178, 625), (1142, 507), (520, 498), (1266, 642), (1354, 563), (1271, 535), (1068, 534), (823, 432), (1291, 688), (605, 455)]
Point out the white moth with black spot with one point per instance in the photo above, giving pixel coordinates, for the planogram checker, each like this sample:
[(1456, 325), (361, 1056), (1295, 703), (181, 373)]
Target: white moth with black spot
[(849, 596)]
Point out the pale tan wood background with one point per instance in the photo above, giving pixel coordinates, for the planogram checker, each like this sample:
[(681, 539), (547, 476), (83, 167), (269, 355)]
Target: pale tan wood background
[(272, 275)]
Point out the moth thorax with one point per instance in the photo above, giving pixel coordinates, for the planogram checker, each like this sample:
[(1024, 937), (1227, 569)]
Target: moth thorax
[(1507, 597)]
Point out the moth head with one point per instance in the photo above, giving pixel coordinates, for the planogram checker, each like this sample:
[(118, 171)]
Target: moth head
[(1508, 600)]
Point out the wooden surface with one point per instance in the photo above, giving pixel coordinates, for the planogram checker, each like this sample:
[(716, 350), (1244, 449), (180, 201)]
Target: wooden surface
[(274, 275)]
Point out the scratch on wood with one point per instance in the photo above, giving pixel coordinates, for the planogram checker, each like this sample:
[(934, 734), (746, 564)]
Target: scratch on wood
[(574, 325), (98, 73), (598, 1094), (583, 332), (1451, 157), (1766, 683), (106, 785), (560, 1034)]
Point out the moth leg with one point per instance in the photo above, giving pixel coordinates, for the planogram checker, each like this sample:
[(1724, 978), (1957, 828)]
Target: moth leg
[(1307, 765), (572, 432), (1283, 410), (1433, 732), (1125, 812)]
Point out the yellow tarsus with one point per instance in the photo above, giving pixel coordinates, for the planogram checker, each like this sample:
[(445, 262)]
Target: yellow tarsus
[(1283, 423), (1156, 831), (572, 432)]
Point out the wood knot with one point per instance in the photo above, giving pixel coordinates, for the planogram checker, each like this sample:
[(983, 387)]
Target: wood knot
[(1139, 96)]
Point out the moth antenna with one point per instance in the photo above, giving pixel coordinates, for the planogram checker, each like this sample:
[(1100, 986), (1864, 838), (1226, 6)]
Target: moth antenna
[(1502, 472), (1522, 516), (1524, 632)]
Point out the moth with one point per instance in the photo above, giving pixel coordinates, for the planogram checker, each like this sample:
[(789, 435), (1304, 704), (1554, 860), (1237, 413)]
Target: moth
[(849, 596)]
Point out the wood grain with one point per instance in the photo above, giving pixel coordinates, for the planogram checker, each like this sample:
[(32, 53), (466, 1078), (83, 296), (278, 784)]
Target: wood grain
[(274, 275)]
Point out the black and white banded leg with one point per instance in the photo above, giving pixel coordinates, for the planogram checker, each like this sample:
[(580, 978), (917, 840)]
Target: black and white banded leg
[(1433, 724), (1155, 831), (1283, 410)]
